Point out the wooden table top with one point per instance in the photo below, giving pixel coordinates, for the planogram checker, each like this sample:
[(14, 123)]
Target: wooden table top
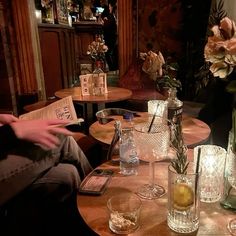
[(153, 222), (195, 131), (114, 94)]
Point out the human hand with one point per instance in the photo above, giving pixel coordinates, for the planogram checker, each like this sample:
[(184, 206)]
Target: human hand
[(7, 119), (41, 132)]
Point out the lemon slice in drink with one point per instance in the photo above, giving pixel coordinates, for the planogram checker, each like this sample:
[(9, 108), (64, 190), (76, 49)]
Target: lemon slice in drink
[(183, 196)]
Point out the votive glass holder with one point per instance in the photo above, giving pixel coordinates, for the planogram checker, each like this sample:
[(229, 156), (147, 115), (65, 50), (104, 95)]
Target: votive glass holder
[(212, 164)]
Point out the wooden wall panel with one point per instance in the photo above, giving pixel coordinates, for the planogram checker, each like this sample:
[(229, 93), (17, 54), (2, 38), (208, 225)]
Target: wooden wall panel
[(50, 50), (126, 40), (7, 91), (22, 26), (57, 44)]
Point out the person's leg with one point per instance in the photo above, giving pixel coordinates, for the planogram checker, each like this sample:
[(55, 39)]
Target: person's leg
[(58, 188), (18, 172), (72, 153), (28, 162), (48, 206), (57, 184), (34, 169)]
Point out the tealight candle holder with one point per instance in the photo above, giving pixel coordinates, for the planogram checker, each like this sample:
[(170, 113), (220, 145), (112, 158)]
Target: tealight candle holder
[(212, 163)]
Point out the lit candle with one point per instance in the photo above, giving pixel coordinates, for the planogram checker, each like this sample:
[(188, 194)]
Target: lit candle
[(212, 162)]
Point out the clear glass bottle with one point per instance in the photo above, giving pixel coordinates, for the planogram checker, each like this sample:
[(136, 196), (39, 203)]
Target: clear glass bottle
[(98, 79), (129, 160), (228, 200), (175, 107), (113, 150)]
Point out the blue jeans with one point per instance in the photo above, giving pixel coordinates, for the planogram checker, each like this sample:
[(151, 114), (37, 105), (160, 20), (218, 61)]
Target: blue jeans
[(58, 172)]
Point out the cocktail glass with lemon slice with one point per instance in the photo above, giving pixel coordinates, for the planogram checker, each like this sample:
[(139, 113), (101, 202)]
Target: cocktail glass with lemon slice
[(183, 200)]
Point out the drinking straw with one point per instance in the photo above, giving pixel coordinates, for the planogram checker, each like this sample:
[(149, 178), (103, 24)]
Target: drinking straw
[(197, 170), (153, 118), (198, 159)]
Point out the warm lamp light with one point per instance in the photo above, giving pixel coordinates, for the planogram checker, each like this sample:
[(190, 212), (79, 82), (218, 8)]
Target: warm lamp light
[(38, 15), (212, 163)]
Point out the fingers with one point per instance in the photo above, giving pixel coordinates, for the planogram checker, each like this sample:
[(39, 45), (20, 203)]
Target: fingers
[(41, 132)]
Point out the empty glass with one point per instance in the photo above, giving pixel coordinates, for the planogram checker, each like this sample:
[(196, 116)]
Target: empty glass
[(124, 211)]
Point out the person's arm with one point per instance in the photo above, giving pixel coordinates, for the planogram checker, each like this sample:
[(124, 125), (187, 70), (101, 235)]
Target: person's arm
[(40, 132)]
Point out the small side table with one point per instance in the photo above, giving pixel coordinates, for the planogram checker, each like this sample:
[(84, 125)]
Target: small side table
[(114, 94)]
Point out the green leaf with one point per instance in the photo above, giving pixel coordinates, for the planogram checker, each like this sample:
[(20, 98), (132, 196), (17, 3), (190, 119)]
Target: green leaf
[(174, 66), (231, 87)]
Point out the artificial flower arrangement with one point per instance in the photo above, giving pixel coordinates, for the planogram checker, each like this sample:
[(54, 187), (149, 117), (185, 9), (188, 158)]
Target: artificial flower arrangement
[(164, 74), (47, 3), (97, 49), (220, 51), (159, 70)]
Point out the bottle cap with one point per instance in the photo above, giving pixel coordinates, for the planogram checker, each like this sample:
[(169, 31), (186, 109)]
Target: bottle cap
[(128, 116)]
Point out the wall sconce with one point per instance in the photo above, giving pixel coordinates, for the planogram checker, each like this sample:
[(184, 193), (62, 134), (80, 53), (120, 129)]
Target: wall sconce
[(212, 163), (38, 15)]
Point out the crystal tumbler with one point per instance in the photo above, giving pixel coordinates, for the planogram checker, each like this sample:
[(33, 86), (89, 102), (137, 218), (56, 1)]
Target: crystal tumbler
[(183, 200), (212, 163)]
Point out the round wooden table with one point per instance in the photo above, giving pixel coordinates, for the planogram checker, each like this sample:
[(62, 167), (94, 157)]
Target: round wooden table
[(114, 94), (93, 209), (195, 131)]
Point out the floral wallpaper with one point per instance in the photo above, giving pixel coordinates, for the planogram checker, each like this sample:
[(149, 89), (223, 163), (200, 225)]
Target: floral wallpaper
[(160, 26)]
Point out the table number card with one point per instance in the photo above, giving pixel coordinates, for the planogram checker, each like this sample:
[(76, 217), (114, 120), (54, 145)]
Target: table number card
[(93, 84), (100, 83), (85, 82)]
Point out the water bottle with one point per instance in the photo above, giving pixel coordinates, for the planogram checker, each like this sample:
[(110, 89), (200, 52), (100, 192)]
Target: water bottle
[(129, 160)]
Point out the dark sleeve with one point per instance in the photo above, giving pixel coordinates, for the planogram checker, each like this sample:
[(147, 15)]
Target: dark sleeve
[(8, 139)]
